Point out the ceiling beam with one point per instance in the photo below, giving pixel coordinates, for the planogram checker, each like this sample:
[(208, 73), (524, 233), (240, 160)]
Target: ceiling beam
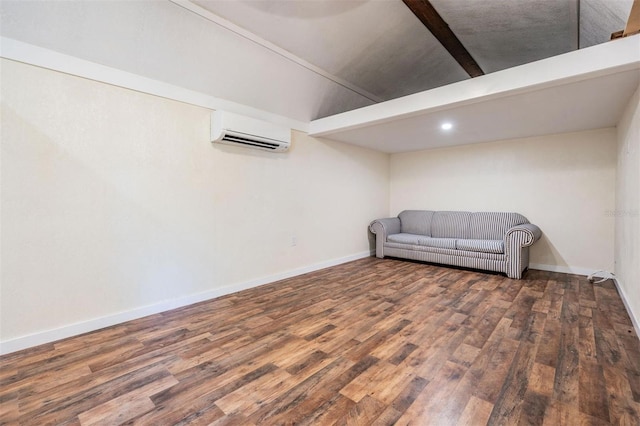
[(431, 19), (633, 24)]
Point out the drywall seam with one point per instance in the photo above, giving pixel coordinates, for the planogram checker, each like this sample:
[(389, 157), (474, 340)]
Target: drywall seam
[(48, 336)]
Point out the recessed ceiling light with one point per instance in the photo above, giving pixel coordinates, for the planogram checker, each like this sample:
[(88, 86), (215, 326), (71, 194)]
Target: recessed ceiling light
[(446, 126)]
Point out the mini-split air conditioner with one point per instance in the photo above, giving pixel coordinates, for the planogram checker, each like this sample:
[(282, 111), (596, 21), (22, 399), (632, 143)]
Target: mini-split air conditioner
[(238, 130)]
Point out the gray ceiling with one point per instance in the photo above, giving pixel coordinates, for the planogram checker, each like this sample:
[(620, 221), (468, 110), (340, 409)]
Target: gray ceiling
[(381, 47), (342, 54)]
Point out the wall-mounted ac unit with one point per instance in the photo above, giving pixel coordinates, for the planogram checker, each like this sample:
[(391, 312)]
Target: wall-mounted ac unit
[(238, 130)]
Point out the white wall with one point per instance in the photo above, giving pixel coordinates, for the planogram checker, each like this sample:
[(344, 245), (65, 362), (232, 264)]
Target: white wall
[(115, 204), (563, 183), (113, 200), (627, 212), (168, 42)]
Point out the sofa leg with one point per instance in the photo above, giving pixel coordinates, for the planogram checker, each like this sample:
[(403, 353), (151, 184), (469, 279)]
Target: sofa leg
[(516, 276)]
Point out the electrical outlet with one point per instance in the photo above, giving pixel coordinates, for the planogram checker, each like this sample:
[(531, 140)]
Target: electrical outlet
[(294, 241)]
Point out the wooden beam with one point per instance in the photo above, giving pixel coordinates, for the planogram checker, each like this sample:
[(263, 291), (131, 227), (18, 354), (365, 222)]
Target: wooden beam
[(633, 23), (431, 19)]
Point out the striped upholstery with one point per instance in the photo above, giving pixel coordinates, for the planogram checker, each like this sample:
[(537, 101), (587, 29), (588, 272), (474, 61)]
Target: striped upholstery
[(381, 228), (404, 238), (448, 243), (486, 246), (517, 238), (494, 241), (416, 222), (449, 259), (493, 225), (450, 224), (453, 252)]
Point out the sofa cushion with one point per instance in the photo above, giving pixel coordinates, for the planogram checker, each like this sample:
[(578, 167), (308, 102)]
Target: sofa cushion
[(493, 225), (445, 243), (405, 238), (450, 252), (483, 246), (450, 224), (416, 222)]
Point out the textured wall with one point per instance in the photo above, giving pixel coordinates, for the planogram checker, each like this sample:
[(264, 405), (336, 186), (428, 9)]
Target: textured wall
[(113, 200), (627, 212), (563, 183)]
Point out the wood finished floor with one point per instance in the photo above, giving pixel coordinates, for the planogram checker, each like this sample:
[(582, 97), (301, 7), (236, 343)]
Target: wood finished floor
[(368, 342)]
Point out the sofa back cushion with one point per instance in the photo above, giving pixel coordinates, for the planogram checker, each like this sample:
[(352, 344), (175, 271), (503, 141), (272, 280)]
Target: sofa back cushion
[(493, 225), (416, 222), (450, 225)]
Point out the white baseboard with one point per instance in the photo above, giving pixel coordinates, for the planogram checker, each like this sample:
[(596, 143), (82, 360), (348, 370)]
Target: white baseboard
[(70, 330), (623, 296), (563, 269), (586, 272)]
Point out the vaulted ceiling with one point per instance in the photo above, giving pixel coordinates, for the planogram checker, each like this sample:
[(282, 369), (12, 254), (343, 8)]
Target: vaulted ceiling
[(382, 48), (302, 60)]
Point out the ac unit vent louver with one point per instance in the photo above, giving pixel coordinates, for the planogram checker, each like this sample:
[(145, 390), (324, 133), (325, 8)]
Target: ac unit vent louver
[(233, 129), (251, 141)]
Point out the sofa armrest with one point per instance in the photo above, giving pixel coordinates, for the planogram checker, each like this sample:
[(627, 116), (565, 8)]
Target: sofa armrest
[(382, 228), (516, 246), (522, 235)]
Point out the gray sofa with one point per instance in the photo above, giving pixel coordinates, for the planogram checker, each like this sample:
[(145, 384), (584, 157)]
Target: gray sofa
[(493, 241)]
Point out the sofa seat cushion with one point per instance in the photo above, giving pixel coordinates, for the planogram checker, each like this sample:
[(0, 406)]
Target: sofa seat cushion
[(482, 246), (450, 252), (445, 243), (405, 238)]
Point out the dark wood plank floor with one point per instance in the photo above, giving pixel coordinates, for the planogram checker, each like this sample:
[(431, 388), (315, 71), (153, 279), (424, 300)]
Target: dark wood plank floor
[(369, 342)]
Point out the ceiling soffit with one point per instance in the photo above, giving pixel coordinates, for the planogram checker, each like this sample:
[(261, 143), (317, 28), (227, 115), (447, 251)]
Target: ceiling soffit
[(584, 89)]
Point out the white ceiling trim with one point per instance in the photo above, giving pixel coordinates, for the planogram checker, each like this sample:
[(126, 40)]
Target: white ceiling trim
[(601, 60), (45, 58), (210, 16)]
